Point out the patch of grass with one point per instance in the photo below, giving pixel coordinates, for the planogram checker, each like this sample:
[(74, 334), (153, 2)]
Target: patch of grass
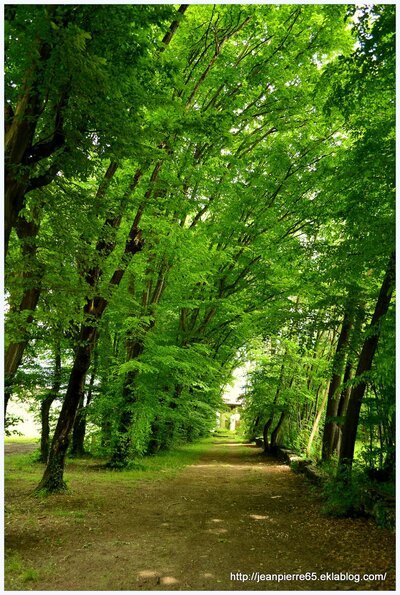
[(30, 574), (26, 462), (77, 514), (17, 574), (23, 470), (161, 465), (22, 467), (229, 436), (14, 563), (20, 440)]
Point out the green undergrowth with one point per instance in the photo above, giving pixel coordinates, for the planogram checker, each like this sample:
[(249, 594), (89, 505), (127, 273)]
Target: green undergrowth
[(342, 496), (352, 494), (356, 495)]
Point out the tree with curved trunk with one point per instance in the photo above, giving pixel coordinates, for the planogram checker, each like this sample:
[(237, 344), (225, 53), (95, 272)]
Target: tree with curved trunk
[(338, 364), (369, 347), (52, 480), (30, 280), (60, 63)]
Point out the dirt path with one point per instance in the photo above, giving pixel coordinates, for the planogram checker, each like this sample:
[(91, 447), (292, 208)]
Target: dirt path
[(16, 448), (234, 511)]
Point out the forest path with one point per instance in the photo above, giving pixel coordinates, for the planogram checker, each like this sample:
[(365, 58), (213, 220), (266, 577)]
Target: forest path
[(233, 511)]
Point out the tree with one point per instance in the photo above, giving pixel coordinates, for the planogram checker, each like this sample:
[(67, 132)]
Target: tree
[(93, 310), (214, 184), (61, 62), (364, 365)]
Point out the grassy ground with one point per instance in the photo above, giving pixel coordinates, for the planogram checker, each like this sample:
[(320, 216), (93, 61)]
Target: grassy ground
[(20, 440), (168, 463), (23, 473)]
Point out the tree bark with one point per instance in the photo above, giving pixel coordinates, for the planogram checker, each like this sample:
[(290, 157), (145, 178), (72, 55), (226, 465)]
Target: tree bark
[(31, 282), (21, 156), (276, 430), (173, 27), (317, 419), (79, 429), (268, 424), (46, 405), (336, 379), (53, 477), (45, 426), (254, 429), (266, 428), (364, 365), (343, 404)]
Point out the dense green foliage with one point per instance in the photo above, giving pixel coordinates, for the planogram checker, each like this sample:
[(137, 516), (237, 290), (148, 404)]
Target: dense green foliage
[(201, 187)]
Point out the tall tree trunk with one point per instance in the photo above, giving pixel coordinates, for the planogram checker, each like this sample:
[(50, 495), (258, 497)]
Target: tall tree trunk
[(336, 379), (31, 288), (364, 365), (266, 428), (18, 140), (46, 405), (53, 477), (254, 429), (343, 404), (275, 432), (21, 154), (52, 480), (79, 429), (354, 348), (268, 423), (316, 421)]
